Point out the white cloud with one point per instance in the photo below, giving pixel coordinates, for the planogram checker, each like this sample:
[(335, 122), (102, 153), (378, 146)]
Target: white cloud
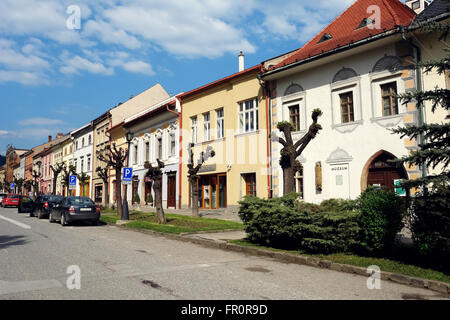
[(23, 77), (76, 64), (108, 34), (4, 133), (39, 122)]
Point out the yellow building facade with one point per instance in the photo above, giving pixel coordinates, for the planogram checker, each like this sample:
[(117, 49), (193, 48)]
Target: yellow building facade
[(229, 115)]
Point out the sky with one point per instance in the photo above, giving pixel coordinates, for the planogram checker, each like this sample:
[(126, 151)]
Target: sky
[(56, 75)]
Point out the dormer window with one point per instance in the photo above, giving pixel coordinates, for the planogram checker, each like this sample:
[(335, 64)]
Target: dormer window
[(325, 37), (365, 22)]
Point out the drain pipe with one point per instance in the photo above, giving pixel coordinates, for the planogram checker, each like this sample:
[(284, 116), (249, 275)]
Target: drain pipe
[(419, 80)]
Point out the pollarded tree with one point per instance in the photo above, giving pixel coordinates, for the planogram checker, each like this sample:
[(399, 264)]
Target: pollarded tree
[(66, 173), (155, 174), (291, 151), (84, 180), (103, 174), (18, 183), (193, 176), (60, 166), (34, 182), (115, 159)]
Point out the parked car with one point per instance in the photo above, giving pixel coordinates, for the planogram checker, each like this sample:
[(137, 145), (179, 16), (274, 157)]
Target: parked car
[(72, 209), (26, 204), (11, 200), (43, 205), (2, 195)]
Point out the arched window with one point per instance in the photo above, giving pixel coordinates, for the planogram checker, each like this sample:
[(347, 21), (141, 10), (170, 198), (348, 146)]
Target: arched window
[(390, 63), (344, 74), (293, 88)]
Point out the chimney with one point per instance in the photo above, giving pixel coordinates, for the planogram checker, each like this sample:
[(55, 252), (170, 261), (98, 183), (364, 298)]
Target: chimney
[(417, 5), (59, 135), (241, 62), (49, 138)]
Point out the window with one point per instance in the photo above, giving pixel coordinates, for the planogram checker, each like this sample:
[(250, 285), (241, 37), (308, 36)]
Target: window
[(194, 129), (294, 116), (135, 157), (206, 127), (299, 182), (325, 37), (250, 184), (365, 22), (416, 5), (346, 100), (82, 143), (147, 151), (88, 163), (172, 145), (159, 142), (220, 122), (76, 145), (82, 164), (75, 164), (388, 98), (90, 140), (248, 116)]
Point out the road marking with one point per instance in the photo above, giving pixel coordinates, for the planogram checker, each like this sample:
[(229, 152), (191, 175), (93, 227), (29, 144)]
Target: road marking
[(17, 223)]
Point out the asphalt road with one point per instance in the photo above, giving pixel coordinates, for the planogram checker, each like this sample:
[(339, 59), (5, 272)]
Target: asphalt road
[(121, 264)]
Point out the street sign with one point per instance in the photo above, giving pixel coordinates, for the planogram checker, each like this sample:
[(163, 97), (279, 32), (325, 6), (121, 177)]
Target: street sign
[(398, 189), (72, 182), (12, 185), (127, 175)]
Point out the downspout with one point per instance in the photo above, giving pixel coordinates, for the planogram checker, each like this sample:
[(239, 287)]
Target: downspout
[(180, 141), (421, 107)]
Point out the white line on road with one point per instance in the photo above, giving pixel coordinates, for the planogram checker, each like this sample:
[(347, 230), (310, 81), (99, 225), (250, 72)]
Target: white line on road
[(17, 223)]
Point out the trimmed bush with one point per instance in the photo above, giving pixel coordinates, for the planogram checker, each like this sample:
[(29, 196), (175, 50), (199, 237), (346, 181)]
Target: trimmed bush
[(380, 219), (430, 225), (289, 224)]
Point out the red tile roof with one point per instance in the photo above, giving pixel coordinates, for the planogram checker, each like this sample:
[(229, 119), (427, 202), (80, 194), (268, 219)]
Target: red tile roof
[(344, 28)]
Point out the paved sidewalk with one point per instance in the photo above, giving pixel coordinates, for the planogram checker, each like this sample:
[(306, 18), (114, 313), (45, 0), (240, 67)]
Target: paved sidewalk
[(220, 236), (213, 214)]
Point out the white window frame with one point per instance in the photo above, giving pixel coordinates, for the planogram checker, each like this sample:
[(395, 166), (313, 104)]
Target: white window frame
[(206, 126), (194, 121), (220, 123), (251, 113)]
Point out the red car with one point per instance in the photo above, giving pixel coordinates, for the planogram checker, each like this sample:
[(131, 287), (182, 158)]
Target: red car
[(11, 200)]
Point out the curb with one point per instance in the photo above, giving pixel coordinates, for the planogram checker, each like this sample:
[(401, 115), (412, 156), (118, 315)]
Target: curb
[(433, 285)]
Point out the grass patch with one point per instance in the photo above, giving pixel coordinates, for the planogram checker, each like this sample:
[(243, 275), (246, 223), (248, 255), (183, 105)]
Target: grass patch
[(176, 223), (388, 265)]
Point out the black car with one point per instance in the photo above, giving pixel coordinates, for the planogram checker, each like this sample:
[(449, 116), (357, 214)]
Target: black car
[(44, 204), (26, 204), (72, 209)]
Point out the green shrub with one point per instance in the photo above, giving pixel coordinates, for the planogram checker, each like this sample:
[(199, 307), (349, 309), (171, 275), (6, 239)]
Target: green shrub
[(430, 225), (149, 198), (136, 198), (289, 224), (380, 219), (338, 205)]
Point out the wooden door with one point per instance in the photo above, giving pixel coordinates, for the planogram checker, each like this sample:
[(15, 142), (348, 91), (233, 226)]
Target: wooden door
[(250, 184), (171, 191)]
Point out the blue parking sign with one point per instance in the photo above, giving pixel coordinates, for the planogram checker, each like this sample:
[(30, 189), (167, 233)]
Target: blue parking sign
[(12, 185), (72, 180), (127, 174)]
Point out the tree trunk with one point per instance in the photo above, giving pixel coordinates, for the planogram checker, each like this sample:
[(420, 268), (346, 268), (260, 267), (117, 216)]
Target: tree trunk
[(106, 198), (194, 192), (54, 185), (119, 192), (289, 178), (157, 186)]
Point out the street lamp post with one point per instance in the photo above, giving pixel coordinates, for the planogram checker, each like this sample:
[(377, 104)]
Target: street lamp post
[(125, 214)]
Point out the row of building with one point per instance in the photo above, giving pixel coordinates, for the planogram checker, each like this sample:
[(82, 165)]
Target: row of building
[(352, 71)]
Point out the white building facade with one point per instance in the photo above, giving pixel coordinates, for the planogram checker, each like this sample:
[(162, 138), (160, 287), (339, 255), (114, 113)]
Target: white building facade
[(155, 136), (82, 139), (355, 89)]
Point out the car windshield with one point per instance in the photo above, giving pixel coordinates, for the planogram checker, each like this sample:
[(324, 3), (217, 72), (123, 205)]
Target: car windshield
[(53, 198), (80, 201), (13, 196)]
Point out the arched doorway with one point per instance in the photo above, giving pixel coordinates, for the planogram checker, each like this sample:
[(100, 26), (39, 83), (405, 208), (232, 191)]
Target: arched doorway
[(379, 172)]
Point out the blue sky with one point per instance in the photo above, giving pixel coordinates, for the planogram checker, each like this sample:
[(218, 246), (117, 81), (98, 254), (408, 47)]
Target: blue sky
[(53, 79)]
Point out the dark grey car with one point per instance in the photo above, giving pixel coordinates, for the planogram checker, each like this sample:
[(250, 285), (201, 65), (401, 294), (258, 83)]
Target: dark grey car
[(72, 209)]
